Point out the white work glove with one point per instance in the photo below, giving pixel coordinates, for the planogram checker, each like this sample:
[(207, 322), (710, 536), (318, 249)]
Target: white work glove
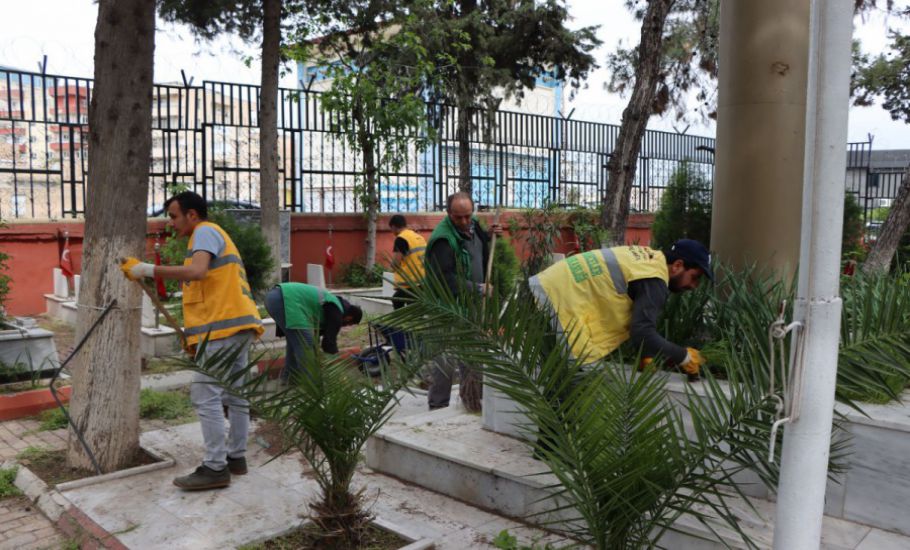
[(136, 270)]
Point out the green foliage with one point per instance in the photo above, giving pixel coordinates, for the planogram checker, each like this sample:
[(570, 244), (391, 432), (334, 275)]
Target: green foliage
[(538, 230), (8, 482), (506, 268), (625, 467), (589, 232), (356, 275), (852, 240), (884, 76), (732, 319), (507, 541), (327, 413), (689, 63), (52, 419), (247, 237), (5, 280), (253, 248), (685, 209), (164, 405)]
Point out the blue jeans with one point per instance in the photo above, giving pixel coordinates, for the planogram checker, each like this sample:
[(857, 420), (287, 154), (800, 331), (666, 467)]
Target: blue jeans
[(296, 338)]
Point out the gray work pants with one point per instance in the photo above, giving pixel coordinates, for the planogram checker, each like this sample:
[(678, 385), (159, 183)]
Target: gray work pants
[(443, 368), (209, 400)]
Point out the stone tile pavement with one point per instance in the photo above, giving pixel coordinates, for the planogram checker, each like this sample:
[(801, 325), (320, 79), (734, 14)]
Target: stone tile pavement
[(22, 525)]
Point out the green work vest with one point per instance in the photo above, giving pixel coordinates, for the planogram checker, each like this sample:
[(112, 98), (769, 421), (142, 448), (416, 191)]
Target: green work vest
[(445, 230), (303, 305)]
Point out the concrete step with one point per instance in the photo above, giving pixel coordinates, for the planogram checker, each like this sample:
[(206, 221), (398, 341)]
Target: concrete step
[(449, 452)]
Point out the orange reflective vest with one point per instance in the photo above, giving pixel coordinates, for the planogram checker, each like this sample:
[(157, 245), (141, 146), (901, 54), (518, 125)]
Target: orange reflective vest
[(221, 304), (411, 269)]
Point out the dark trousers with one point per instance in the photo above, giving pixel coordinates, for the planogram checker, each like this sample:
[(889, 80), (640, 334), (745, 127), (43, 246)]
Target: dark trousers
[(295, 339)]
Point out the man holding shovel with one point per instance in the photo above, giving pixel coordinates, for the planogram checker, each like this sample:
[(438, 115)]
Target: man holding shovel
[(218, 309), (457, 253)]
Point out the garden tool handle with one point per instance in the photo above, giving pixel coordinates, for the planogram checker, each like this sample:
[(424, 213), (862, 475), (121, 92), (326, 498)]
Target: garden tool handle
[(169, 319), (489, 273)]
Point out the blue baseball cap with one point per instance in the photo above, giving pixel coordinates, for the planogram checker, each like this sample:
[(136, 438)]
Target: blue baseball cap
[(693, 252)]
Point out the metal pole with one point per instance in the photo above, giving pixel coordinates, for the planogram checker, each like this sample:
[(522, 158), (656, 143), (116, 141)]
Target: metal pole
[(804, 463)]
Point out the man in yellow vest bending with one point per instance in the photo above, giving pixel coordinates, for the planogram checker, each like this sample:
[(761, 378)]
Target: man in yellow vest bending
[(407, 258), (601, 298), (217, 306)]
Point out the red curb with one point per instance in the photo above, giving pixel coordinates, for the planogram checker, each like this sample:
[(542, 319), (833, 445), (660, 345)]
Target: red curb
[(31, 402), (74, 523)]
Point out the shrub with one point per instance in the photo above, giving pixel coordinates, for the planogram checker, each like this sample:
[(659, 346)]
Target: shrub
[(685, 209), (505, 268), (852, 240), (539, 231), (590, 234), (4, 281), (250, 242), (356, 275)]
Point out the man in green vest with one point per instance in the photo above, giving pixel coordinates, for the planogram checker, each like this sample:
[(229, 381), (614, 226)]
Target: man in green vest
[(299, 311), (605, 297), (457, 253)]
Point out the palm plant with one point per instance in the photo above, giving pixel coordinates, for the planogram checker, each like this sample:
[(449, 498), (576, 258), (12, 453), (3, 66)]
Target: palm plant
[(731, 321), (326, 412), (629, 460)]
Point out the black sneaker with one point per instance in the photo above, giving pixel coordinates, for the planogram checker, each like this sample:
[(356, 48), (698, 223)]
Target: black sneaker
[(237, 466), (204, 478)]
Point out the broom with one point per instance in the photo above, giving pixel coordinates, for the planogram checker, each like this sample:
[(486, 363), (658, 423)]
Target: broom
[(471, 389)]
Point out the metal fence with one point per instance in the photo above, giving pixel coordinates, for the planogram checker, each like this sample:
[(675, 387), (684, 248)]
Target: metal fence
[(874, 188), (206, 138)]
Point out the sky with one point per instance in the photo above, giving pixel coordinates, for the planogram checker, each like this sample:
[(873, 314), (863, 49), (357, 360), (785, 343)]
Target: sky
[(64, 31)]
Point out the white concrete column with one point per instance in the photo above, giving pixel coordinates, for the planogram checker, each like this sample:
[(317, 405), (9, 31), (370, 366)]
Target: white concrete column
[(388, 284), (77, 280)]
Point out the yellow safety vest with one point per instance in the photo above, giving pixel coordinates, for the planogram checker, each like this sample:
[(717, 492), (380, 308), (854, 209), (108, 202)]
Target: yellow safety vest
[(588, 295), (411, 266), (220, 304)]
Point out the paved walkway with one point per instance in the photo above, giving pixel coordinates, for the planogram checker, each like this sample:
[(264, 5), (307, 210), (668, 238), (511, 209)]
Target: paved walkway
[(22, 525)]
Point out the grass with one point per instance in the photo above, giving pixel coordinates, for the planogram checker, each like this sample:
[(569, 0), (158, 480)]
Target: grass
[(166, 405), (174, 407), (50, 465), (162, 365), (7, 483)]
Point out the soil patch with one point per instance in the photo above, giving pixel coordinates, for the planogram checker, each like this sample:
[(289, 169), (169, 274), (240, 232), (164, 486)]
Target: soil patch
[(50, 466), (310, 536)]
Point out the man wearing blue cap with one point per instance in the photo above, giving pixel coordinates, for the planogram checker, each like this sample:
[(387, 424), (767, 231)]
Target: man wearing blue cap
[(601, 298)]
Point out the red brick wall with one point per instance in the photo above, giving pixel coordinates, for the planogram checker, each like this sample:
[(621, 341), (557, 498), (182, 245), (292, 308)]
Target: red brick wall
[(35, 248)]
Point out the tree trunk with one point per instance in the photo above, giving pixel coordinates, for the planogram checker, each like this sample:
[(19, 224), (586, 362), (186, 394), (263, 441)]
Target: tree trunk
[(371, 200), (105, 401), (465, 127), (622, 164), (879, 258), (268, 131)]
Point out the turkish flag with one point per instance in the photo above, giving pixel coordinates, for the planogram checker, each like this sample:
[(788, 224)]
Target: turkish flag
[(66, 263), (159, 282), (329, 256)]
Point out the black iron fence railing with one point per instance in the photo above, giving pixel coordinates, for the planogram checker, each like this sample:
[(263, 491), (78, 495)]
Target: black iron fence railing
[(206, 138)]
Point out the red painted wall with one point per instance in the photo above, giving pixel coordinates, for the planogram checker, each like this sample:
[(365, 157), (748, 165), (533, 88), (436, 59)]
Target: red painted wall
[(35, 248)]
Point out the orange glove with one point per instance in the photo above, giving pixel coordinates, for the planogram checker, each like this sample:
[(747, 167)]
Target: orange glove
[(135, 270), (693, 362), (646, 363)]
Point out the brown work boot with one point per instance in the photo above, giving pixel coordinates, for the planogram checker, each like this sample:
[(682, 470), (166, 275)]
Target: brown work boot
[(237, 466), (204, 478)]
